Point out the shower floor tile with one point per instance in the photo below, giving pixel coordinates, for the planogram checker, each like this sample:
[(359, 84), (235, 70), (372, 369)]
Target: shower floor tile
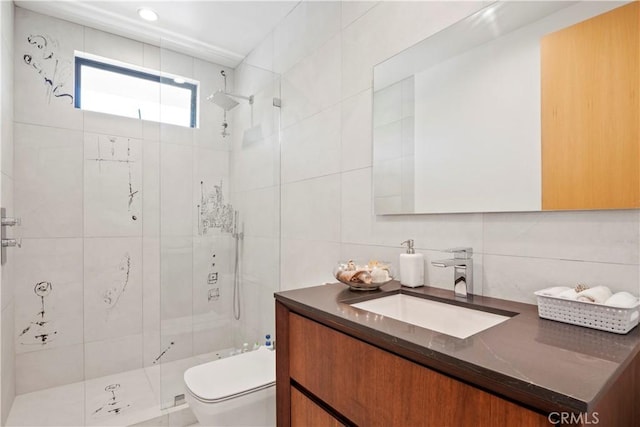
[(116, 400), (124, 399), (57, 406)]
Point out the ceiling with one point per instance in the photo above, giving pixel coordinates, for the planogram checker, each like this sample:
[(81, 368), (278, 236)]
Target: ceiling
[(223, 32)]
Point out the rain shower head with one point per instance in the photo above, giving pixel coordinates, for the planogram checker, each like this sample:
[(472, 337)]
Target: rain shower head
[(223, 100)]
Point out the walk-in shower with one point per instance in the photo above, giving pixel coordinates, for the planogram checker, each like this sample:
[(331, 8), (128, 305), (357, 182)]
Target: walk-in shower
[(148, 268)]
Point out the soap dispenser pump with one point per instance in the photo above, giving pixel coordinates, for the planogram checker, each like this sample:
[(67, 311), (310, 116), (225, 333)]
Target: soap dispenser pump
[(411, 267)]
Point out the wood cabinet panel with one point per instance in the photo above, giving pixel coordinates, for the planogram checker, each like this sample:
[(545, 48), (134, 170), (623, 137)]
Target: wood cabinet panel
[(373, 387), (591, 113), (305, 412)]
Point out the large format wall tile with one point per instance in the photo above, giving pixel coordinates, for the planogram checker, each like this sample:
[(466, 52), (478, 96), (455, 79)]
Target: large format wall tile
[(113, 125), (112, 186), (257, 166), (259, 211), (303, 31), (37, 370), (311, 209), (8, 382), (516, 278), (352, 10), (112, 356), (356, 131), (599, 236), (48, 294), (48, 181), (176, 261), (304, 99), (177, 208), (311, 147), (150, 188), (112, 287), (307, 263), (112, 46), (44, 64)]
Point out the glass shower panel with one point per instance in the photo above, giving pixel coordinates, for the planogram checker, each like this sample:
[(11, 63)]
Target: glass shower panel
[(255, 164), (219, 222)]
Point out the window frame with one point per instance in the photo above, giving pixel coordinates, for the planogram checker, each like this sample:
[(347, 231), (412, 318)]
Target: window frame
[(123, 70)]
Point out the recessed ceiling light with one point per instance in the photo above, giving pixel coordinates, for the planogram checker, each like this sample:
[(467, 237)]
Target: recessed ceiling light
[(147, 14)]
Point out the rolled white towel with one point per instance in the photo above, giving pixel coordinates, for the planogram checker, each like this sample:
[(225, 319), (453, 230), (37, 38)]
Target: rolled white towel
[(597, 294), (622, 300), (568, 294), (555, 291)]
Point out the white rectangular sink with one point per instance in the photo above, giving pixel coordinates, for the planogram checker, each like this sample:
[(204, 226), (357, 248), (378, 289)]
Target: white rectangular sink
[(448, 319)]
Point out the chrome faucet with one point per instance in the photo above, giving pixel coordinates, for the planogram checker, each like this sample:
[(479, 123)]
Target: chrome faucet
[(462, 264)]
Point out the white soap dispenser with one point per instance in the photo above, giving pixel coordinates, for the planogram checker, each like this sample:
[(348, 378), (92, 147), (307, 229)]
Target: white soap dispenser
[(411, 267)]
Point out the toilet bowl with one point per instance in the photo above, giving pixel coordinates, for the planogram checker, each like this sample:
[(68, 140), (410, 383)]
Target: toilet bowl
[(236, 391)]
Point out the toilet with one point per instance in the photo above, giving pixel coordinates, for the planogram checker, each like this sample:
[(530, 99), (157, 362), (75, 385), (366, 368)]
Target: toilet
[(236, 391)]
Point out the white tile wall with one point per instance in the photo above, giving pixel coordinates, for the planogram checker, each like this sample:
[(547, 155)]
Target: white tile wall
[(59, 262), (311, 209), (303, 31), (37, 370), (177, 208), (37, 103), (356, 151), (352, 10), (48, 180), (112, 287), (112, 186), (111, 46), (311, 147), (113, 355), (176, 261), (313, 268), (304, 99)]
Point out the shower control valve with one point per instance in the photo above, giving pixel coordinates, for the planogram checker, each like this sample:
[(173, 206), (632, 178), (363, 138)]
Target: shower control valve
[(10, 222), (10, 243)]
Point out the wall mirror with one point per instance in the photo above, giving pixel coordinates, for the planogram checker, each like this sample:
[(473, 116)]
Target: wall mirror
[(512, 109)]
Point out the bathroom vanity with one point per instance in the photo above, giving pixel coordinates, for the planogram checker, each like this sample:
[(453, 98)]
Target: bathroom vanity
[(341, 365)]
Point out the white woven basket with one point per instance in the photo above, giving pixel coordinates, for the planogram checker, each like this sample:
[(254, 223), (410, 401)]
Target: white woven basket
[(591, 315)]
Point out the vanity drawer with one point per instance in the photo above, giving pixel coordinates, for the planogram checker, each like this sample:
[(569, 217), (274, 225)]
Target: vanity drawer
[(372, 387)]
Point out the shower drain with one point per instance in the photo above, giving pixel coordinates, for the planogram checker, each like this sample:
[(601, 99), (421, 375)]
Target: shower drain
[(178, 400)]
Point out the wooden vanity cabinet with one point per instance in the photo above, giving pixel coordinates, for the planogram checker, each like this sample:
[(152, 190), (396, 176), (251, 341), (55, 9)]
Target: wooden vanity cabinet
[(590, 84), (328, 378)]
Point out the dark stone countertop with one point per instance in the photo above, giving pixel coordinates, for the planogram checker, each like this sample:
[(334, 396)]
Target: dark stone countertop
[(543, 364)]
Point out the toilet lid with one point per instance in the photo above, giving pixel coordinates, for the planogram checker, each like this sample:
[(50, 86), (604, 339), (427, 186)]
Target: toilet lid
[(232, 376)]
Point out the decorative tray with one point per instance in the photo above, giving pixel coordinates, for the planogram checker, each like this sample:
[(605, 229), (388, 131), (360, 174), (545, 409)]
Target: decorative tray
[(361, 276)]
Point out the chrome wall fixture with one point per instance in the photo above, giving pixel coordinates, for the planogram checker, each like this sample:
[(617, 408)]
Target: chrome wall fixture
[(9, 222)]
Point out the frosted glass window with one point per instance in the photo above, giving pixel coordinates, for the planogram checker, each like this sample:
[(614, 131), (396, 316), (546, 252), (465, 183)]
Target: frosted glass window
[(128, 92)]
